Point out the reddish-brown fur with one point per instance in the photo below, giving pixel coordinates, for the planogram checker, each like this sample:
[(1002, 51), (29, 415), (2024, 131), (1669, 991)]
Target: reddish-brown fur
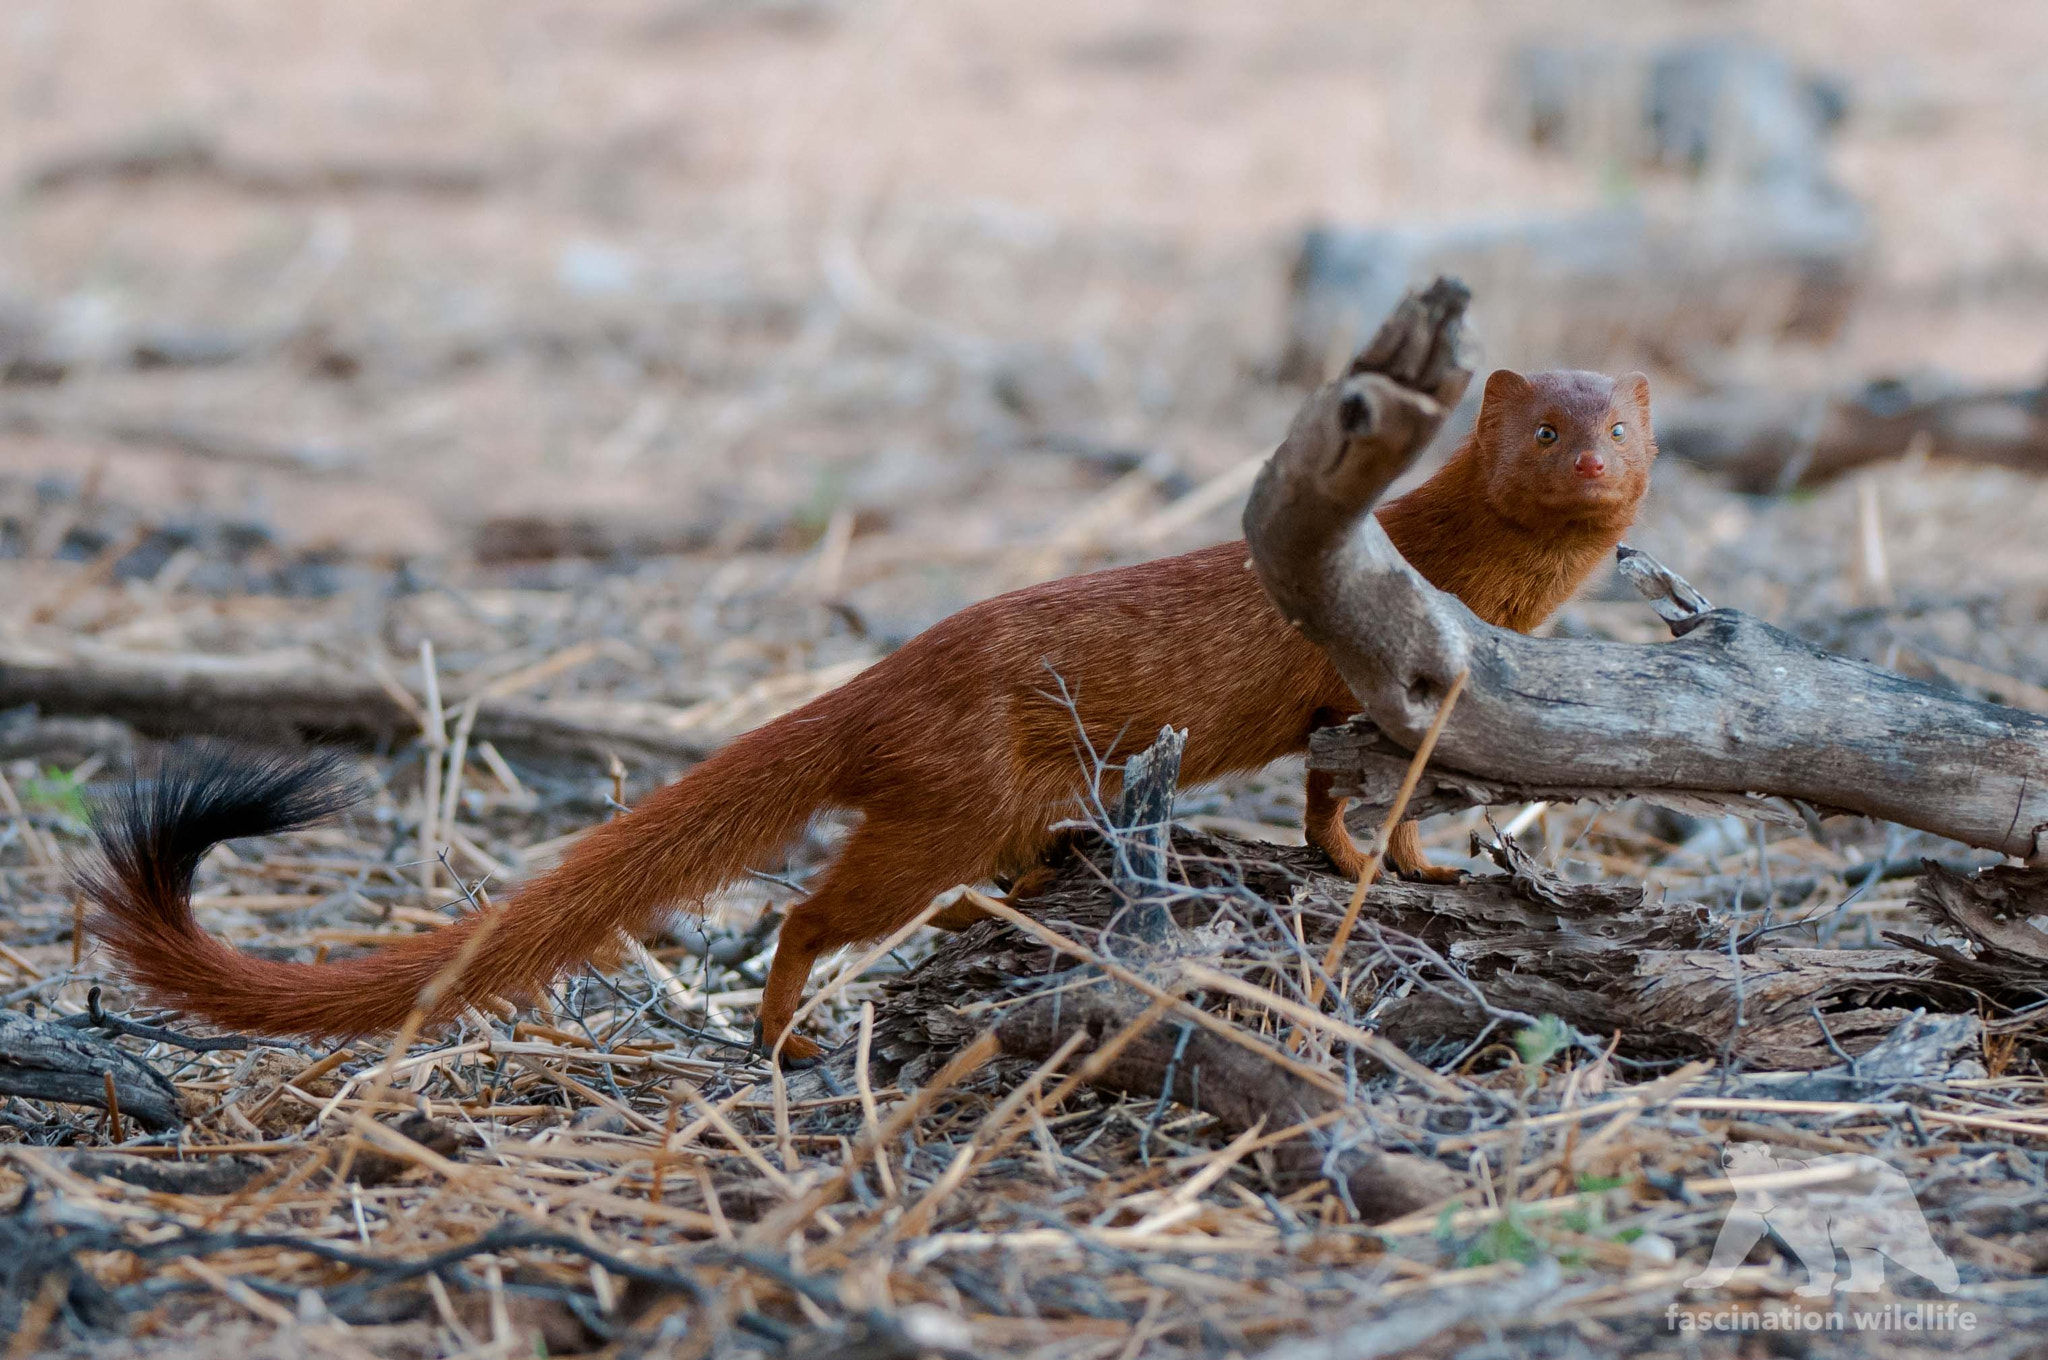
[(958, 750)]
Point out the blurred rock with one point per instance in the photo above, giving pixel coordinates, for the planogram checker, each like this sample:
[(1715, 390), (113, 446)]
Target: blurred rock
[(1767, 248), (1591, 290), (1717, 106), (1049, 387), (1743, 108), (594, 269), (22, 353), (1140, 47)]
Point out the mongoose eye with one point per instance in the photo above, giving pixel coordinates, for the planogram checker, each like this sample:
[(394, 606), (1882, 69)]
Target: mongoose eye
[(1620, 432), (1545, 435)]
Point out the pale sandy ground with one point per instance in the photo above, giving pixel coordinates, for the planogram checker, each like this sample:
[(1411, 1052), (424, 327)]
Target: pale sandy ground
[(1115, 184)]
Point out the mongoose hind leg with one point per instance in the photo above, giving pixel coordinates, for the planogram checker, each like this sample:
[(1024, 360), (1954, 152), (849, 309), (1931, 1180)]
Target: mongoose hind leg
[(1322, 826), (886, 875)]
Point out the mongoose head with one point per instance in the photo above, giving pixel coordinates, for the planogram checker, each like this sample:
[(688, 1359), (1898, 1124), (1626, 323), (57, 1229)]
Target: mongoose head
[(1566, 446)]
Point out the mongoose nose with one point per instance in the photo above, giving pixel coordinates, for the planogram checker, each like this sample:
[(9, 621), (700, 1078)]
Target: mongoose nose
[(1590, 464)]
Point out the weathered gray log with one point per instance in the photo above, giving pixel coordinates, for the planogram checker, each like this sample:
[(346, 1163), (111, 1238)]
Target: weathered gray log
[(1679, 1001), (1925, 1050), (1369, 767), (1732, 707), (1998, 914), (1772, 441), (1608, 960), (295, 692), (209, 1176), (1605, 957), (50, 1062)]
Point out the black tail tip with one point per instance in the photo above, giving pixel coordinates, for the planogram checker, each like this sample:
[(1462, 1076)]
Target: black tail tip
[(156, 829)]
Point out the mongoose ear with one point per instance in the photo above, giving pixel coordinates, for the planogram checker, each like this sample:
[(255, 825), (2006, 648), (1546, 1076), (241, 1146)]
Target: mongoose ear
[(1506, 385), (1633, 388)]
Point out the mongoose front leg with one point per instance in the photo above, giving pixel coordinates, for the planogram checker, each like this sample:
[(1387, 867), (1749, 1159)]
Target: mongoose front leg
[(1404, 853)]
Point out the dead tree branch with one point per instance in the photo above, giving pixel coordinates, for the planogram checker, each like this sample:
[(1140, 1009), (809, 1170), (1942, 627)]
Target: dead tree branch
[(1496, 949), (298, 692), (1770, 441), (1732, 707), (50, 1062)]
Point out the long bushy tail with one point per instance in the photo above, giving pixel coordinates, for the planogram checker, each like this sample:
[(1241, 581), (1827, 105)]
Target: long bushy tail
[(680, 845)]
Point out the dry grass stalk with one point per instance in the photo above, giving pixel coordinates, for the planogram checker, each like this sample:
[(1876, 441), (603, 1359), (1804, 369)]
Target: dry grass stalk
[(1395, 812)]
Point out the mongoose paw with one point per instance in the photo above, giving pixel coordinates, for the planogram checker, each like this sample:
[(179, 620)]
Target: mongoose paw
[(1347, 860), (797, 1051), (1430, 873)]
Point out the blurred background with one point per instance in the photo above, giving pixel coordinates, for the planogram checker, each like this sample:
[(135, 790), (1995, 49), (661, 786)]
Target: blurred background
[(694, 352)]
